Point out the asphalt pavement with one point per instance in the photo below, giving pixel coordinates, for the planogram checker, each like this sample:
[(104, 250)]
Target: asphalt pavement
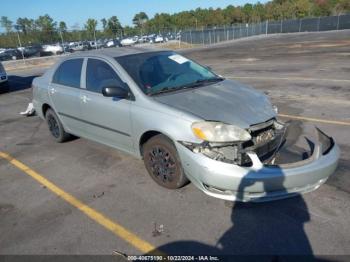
[(306, 76)]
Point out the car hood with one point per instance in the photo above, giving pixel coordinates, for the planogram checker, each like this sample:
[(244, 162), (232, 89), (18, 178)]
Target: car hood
[(228, 101)]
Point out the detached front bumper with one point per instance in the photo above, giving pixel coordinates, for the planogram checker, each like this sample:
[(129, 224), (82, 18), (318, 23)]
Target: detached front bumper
[(261, 182)]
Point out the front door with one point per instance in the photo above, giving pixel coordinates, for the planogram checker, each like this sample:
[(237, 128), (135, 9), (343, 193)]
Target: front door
[(107, 119)]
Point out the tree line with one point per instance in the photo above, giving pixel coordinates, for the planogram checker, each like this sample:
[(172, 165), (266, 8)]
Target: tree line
[(45, 30)]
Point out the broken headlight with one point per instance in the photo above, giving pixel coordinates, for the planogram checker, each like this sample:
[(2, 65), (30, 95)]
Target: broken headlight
[(219, 132)]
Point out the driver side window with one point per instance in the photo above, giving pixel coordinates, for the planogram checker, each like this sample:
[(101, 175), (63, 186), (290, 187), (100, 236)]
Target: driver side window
[(100, 74)]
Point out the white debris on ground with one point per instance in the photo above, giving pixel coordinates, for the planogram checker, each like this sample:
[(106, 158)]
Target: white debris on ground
[(30, 111)]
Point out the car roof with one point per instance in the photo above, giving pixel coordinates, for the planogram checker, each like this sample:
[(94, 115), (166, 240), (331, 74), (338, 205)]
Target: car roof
[(117, 52)]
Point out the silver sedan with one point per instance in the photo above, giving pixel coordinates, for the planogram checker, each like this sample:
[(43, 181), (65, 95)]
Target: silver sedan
[(186, 122)]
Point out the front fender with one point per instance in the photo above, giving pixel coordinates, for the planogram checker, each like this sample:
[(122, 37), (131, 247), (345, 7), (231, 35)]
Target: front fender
[(173, 125)]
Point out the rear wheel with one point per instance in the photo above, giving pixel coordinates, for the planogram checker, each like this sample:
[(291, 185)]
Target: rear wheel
[(55, 127), (163, 163)]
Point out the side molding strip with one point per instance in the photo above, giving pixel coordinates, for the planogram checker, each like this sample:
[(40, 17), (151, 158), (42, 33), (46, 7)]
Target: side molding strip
[(93, 124)]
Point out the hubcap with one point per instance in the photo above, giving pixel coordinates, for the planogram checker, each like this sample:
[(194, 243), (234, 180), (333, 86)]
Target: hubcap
[(53, 126), (162, 164)]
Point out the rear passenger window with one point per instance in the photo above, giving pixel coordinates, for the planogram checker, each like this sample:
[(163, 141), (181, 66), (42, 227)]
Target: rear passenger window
[(68, 73), (100, 74)]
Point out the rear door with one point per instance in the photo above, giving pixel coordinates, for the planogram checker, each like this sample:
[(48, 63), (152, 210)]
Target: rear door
[(64, 92), (107, 118)]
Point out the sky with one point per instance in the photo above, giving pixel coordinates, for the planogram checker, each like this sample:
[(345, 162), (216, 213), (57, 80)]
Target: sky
[(78, 11)]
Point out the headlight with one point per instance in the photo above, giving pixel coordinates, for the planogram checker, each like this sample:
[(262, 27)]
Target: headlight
[(219, 132)]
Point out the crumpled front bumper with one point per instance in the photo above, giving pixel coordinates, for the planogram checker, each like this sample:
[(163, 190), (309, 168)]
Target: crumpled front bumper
[(261, 182)]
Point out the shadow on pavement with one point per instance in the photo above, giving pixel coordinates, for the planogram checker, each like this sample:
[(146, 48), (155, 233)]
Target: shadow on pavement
[(271, 228), (17, 83)]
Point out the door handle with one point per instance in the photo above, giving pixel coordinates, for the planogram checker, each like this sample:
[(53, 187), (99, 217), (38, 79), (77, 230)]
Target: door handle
[(52, 90), (84, 98)]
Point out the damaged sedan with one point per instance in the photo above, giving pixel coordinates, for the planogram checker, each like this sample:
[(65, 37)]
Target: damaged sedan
[(186, 123)]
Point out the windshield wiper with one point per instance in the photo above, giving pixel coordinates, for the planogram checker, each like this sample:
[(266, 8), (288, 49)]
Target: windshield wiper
[(197, 83), (210, 80), (163, 90), (201, 82)]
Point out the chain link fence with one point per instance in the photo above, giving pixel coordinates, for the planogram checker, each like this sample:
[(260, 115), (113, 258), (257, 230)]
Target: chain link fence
[(22, 45), (207, 36)]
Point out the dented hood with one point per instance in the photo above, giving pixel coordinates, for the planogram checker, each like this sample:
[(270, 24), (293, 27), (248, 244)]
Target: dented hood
[(228, 101)]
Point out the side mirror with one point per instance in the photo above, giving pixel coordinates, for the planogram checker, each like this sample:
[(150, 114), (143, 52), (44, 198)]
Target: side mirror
[(115, 91)]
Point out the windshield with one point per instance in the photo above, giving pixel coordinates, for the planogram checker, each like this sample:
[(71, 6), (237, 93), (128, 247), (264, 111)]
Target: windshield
[(159, 72)]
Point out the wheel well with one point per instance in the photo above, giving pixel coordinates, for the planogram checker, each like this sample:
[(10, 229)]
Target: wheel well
[(44, 108), (145, 137)]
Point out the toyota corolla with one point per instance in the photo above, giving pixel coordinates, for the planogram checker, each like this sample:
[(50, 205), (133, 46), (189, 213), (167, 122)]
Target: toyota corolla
[(186, 123)]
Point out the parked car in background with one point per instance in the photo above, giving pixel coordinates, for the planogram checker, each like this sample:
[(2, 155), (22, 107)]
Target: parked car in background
[(96, 45), (10, 54), (128, 41), (67, 48), (31, 51), (169, 36), (159, 39), (151, 38), (184, 121), (3, 76), (52, 49), (112, 43), (80, 46), (143, 39)]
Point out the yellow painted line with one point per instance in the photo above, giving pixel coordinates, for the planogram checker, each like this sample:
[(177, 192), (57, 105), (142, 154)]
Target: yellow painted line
[(114, 227), (334, 122), (290, 78)]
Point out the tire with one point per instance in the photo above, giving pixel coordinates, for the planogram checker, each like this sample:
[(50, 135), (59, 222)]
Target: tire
[(163, 163), (55, 127)]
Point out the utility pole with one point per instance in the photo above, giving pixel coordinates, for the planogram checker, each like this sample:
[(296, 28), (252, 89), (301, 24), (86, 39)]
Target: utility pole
[(338, 23), (191, 35), (20, 45), (215, 35), (203, 34), (281, 25), (64, 50), (95, 39)]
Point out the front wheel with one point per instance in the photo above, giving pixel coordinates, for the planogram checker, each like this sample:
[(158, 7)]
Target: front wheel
[(56, 127), (163, 163)]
